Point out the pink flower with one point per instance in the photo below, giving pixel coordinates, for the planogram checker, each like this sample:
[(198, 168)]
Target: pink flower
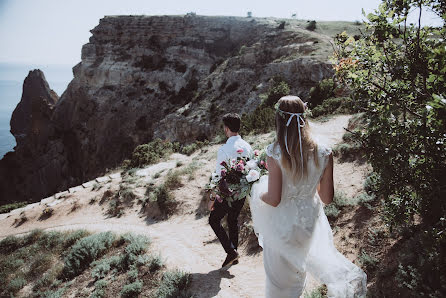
[(223, 173), (240, 167), (223, 163), (256, 152), (262, 163), (219, 199), (240, 150)]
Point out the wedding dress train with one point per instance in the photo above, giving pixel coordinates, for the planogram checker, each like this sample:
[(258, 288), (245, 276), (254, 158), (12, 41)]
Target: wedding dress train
[(297, 239)]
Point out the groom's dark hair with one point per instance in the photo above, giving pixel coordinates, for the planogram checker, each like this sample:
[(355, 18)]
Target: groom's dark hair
[(232, 121)]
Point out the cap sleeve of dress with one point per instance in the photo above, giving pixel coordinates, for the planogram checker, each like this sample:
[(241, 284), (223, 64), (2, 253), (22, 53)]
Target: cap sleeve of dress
[(324, 151), (272, 150)]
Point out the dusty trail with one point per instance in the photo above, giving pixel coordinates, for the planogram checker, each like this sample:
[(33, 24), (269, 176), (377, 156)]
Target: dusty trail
[(185, 240)]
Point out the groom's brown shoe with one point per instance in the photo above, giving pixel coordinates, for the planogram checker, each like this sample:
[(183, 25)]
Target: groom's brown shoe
[(230, 259)]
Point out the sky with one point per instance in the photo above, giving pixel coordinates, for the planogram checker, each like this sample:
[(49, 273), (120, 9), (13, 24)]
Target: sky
[(46, 32)]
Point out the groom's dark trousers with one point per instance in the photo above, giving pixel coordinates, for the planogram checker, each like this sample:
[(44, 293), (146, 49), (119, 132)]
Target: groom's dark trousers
[(220, 210)]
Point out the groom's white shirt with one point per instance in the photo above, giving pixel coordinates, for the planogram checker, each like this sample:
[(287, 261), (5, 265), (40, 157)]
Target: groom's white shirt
[(228, 151)]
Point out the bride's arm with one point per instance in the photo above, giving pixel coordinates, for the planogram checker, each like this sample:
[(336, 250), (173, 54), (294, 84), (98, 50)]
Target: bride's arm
[(325, 187), (274, 194)]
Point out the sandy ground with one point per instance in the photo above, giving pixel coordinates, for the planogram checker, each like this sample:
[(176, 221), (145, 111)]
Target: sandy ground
[(185, 240)]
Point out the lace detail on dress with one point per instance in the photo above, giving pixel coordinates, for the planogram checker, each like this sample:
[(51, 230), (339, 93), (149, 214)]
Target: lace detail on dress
[(273, 150), (297, 230)]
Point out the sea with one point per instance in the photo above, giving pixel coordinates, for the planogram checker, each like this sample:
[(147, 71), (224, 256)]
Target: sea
[(12, 76)]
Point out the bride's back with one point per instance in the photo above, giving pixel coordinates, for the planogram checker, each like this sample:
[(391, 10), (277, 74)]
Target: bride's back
[(304, 187)]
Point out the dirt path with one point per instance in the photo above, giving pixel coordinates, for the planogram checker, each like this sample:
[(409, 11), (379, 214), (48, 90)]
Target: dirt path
[(185, 240)]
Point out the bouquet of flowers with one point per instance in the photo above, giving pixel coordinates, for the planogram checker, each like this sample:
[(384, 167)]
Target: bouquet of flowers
[(237, 176)]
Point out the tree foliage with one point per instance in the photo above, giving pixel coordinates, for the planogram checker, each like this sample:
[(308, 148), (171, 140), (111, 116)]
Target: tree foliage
[(397, 74)]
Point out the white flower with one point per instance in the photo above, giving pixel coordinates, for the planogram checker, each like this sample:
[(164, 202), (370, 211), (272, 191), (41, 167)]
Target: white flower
[(252, 164), (253, 175)]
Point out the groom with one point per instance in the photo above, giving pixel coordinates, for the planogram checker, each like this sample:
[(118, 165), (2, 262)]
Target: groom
[(228, 151)]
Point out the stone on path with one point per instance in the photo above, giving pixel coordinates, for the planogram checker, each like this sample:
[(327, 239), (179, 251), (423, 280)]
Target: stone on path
[(76, 188), (103, 179)]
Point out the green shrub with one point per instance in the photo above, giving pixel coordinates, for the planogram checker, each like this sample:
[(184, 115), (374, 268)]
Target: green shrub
[(15, 285), (99, 289), (342, 200), (319, 93), (263, 118), (320, 292), (41, 263), (103, 266), (279, 89), (73, 237), (9, 207), (85, 251), (348, 151), (51, 240), (53, 293), (173, 180), (367, 261), (331, 211), (174, 284), (137, 245), (162, 196), (150, 153), (132, 290), (155, 262), (311, 26), (10, 244), (334, 105)]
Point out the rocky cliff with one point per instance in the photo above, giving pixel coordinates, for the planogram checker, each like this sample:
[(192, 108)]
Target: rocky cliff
[(142, 77)]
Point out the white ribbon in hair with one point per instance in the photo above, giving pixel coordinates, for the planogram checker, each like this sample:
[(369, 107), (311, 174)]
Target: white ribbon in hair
[(300, 123)]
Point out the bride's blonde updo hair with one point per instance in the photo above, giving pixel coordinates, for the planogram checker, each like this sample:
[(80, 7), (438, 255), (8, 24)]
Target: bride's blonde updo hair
[(292, 161)]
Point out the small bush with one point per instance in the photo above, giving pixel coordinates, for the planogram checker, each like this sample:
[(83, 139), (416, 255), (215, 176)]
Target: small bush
[(103, 266), (163, 198), (342, 200), (41, 263), (320, 292), (73, 237), (85, 251), (173, 180), (132, 290), (150, 153), (10, 243), (15, 285), (155, 262), (334, 105), (9, 207), (99, 289), (263, 118), (323, 90), (311, 26), (136, 246), (367, 261), (331, 211), (174, 284)]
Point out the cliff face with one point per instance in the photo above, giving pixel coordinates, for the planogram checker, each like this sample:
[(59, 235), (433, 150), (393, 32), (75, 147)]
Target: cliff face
[(143, 77)]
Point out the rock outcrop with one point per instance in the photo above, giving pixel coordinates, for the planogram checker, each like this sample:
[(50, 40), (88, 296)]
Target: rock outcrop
[(142, 77)]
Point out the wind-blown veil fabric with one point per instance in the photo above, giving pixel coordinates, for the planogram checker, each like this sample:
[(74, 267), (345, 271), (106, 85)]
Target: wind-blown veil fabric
[(299, 231)]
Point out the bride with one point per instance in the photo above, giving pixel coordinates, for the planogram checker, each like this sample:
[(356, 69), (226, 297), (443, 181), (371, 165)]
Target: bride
[(288, 215)]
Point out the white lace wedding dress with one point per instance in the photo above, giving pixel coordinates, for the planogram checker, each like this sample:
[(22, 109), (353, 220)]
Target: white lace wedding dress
[(297, 239)]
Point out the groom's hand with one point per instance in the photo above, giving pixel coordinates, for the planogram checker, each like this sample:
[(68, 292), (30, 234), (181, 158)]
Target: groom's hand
[(211, 205)]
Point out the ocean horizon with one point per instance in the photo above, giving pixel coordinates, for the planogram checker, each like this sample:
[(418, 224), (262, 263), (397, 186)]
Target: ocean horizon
[(12, 77)]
